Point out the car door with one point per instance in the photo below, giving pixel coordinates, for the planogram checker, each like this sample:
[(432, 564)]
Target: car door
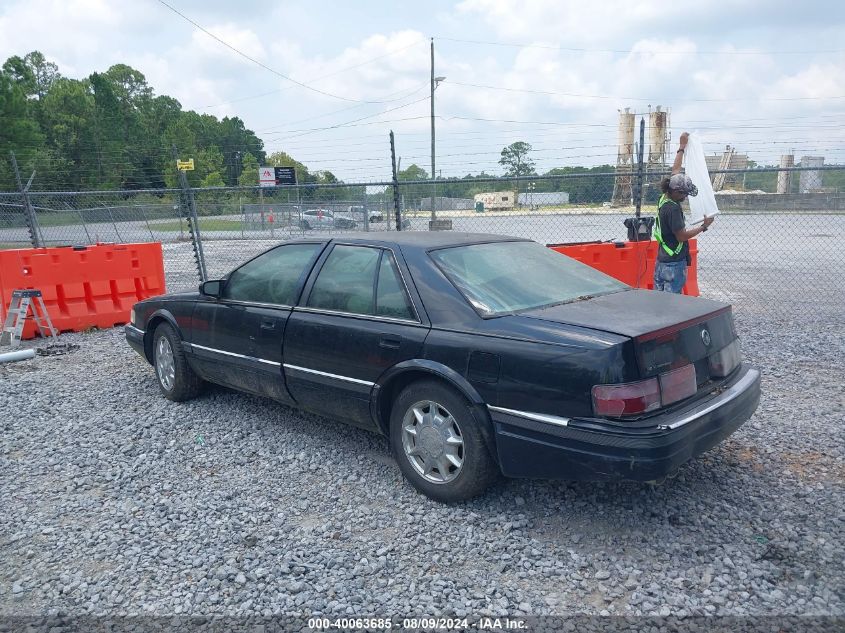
[(357, 321), (240, 341)]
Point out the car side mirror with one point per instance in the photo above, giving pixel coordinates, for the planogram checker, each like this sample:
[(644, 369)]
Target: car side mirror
[(211, 288)]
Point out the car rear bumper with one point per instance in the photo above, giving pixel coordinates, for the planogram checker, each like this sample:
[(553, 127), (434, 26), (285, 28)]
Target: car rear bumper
[(135, 338), (583, 450)]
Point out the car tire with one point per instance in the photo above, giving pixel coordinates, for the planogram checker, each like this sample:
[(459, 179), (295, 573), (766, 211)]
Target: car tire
[(449, 445), (176, 379), (305, 225)]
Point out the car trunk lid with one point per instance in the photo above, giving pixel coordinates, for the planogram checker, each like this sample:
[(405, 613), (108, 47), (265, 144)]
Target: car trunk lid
[(668, 331)]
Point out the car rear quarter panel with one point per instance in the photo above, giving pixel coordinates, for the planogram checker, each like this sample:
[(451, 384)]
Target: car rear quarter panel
[(514, 361), (534, 367)]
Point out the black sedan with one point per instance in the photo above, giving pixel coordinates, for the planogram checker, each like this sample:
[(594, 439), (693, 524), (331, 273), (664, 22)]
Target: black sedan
[(475, 354)]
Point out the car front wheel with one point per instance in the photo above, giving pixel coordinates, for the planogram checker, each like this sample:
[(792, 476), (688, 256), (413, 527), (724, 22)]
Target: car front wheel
[(176, 379), (438, 443)]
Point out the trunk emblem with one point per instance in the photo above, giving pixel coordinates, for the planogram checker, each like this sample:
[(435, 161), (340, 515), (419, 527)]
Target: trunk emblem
[(705, 338)]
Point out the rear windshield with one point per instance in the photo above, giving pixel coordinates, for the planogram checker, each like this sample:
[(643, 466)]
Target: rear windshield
[(505, 277)]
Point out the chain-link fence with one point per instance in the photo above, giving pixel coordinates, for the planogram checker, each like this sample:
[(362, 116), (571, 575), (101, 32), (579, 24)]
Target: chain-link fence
[(786, 246)]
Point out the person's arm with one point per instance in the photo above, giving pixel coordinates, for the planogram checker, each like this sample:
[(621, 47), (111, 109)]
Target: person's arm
[(682, 235), (679, 156)]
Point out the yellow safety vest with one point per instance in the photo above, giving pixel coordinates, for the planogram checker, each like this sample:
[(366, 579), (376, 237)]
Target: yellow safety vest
[(657, 234)]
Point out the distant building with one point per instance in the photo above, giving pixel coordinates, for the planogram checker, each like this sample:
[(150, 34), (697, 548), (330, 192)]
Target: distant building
[(447, 204), (497, 199), (543, 198)]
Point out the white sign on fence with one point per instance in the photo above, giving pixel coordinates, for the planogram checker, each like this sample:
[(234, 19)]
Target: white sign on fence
[(267, 176)]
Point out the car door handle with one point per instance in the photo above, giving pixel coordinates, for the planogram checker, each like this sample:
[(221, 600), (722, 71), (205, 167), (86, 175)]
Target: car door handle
[(390, 342), (268, 324)]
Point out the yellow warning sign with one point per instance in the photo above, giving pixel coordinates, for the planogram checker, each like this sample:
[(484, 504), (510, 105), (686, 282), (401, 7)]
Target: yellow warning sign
[(185, 165)]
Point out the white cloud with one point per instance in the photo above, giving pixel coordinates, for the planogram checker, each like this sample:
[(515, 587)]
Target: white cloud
[(583, 62), (210, 49), (71, 33)]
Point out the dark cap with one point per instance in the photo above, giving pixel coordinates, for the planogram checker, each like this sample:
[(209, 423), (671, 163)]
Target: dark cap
[(683, 183)]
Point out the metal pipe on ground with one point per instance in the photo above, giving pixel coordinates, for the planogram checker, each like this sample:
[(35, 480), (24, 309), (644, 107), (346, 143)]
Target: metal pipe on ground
[(21, 354)]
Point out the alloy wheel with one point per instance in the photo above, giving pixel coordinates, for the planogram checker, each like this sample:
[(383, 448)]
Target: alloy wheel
[(432, 441), (165, 365)]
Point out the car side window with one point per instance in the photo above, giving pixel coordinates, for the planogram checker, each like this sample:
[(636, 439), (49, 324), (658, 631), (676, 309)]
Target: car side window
[(347, 280), (272, 277), (391, 297)]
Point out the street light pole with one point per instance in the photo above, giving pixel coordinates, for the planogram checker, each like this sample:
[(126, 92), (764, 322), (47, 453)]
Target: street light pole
[(434, 83), (434, 185)]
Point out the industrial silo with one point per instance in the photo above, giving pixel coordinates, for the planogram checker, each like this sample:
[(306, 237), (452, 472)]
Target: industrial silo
[(785, 177), (622, 192), (811, 180), (658, 127)]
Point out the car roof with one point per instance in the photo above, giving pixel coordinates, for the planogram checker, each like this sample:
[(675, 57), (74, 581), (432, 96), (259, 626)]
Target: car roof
[(424, 240)]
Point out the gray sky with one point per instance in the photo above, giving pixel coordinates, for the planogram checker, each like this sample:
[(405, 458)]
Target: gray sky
[(765, 76)]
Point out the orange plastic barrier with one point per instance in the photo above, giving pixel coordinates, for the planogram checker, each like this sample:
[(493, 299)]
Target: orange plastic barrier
[(83, 287), (629, 262)]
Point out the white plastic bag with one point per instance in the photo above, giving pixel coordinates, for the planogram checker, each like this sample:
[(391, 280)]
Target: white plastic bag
[(704, 204)]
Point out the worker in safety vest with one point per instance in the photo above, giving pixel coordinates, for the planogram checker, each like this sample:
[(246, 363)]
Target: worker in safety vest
[(670, 232)]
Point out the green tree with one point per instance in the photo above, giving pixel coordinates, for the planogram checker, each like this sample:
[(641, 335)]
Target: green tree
[(235, 141), (584, 190), (129, 85), (111, 131), (109, 135), (516, 161), (67, 121), (282, 159), (33, 73), (213, 179), (413, 172), (209, 167), (766, 181), (153, 149), (249, 171), (18, 132)]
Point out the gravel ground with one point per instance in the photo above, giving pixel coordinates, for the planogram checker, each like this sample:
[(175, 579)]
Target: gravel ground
[(117, 501)]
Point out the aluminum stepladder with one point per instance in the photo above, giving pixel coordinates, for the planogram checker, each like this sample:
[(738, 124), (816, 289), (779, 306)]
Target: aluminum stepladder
[(16, 317)]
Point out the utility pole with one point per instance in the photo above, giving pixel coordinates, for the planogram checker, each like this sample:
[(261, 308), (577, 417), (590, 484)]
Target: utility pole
[(638, 193), (435, 81), (433, 178), (396, 207)]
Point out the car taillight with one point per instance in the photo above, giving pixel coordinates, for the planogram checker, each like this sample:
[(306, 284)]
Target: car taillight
[(677, 384), (635, 398), (725, 360), (629, 399)]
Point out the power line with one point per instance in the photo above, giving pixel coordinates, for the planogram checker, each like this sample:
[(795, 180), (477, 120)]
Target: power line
[(354, 121), (319, 116), (604, 131), (631, 51), (332, 74), (649, 99), (255, 61)]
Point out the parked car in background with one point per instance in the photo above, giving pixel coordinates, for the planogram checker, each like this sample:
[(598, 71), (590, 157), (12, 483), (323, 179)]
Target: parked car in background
[(325, 219), (476, 355), (360, 213)]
